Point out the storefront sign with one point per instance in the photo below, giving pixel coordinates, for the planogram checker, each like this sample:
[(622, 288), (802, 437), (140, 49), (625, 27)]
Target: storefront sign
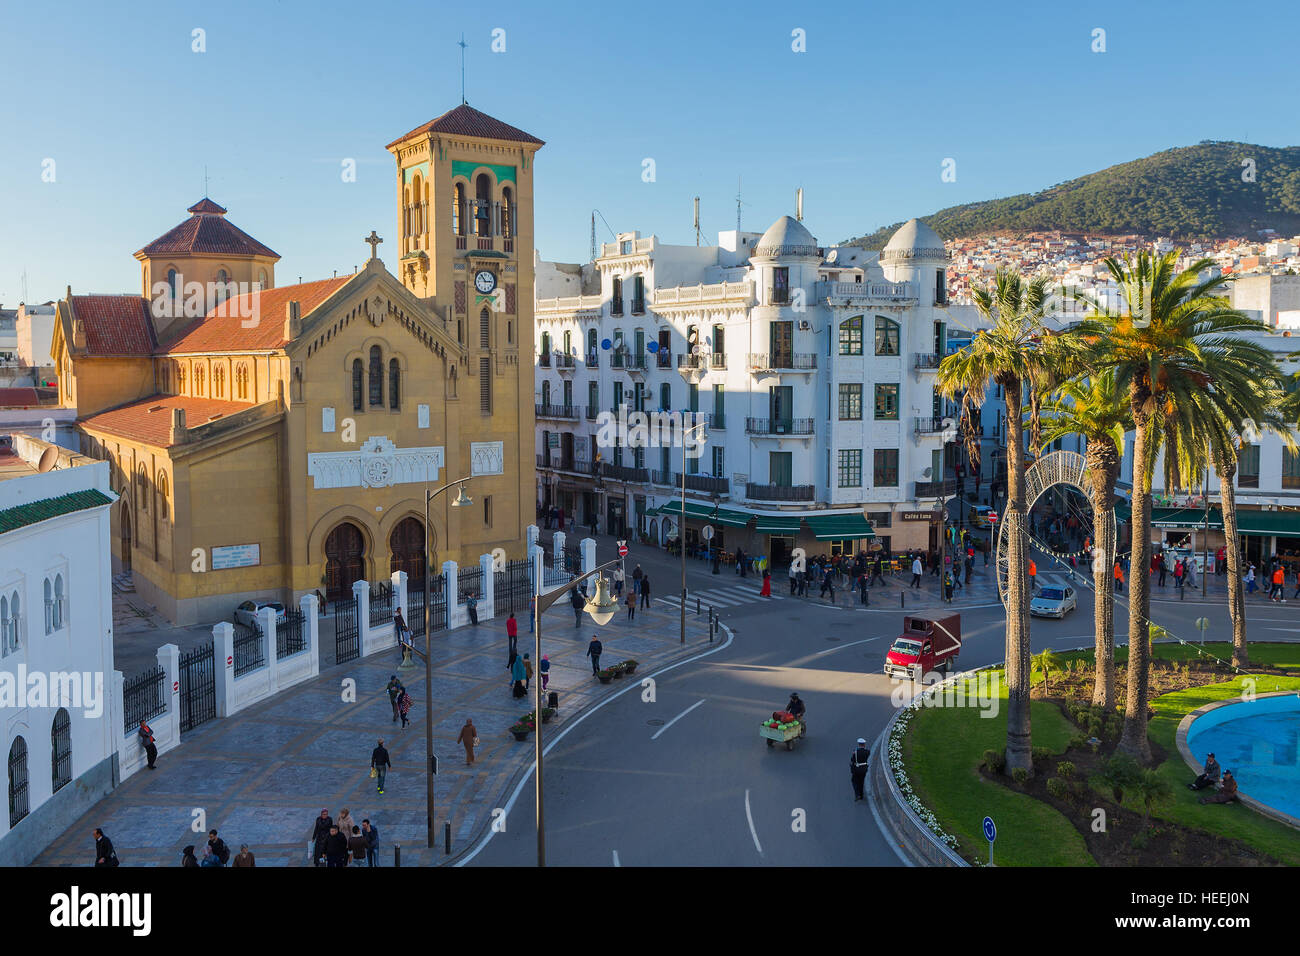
[(916, 515)]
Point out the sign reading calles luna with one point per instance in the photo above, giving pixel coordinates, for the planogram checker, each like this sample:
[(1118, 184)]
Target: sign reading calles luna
[(916, 515)]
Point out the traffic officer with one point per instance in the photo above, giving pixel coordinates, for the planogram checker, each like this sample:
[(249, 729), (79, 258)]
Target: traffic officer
[(858, 767)]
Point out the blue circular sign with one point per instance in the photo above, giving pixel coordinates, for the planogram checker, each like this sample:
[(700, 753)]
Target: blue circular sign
[(606, 344), (652, 346), (990, 831)]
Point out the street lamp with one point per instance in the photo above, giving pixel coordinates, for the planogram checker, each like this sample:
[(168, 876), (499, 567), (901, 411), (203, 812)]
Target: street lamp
[(461, 501), (602, 607), (681, 527)]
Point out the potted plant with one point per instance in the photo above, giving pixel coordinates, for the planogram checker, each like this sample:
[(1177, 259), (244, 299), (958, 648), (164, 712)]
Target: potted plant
[(521, 730), (547, 714), (606, 674), (617, 670), (629, 667)]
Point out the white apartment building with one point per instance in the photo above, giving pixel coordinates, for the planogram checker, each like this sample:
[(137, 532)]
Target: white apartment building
[(813, 367), (56, 643)]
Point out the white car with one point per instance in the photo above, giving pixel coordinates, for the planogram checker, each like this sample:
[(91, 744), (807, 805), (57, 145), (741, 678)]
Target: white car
[(1053, 602), (249, 612)]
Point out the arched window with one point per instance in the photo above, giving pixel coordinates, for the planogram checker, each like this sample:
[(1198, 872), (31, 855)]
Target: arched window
[(162, 494), (591, 347), (263, 280), (665, 397), (198, 381), (482, 206), (394, 383), (180, 379), (507, 213), (568, 343), (241, 381), (49, 606), (17, 781), (458, 211), (616, 302), (60, 603), (218, 382), (357, 392), (173, 283), (417, 194), (887, 336), (851, 336), (142, 489), (4, 625), (15, 621), (376, 377), (223, 278), (61, 750), (406, 213)]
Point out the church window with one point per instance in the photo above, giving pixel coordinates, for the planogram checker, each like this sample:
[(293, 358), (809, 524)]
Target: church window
[(394, 383), (223, 290), (484, 328), (180, 379), (241, 381), (173, 282), (356, 385), (162, 494), (482, 206), (485, 385), (458, 211), (263, 279), (142, 488), (376, 377), (406, 212), (218, 382), (198, 381), (507, 213)]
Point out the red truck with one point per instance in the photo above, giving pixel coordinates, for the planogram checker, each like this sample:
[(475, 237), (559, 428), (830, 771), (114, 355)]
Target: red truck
[(926, 645)]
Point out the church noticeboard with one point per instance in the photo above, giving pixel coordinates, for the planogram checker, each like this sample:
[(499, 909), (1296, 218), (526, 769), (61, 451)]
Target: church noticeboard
[(236, 556)]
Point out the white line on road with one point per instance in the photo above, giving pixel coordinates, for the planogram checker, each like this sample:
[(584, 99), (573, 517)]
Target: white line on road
[(616, 863), (675, 719), (752, 832), (832, 650)]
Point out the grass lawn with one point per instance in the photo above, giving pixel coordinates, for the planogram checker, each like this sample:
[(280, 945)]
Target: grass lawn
[(943, 748), (1284, 656)]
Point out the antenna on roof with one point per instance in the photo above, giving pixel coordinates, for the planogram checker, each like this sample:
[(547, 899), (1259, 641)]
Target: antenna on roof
[(697, 220), (798, 204), (462, 46), (738, 204)]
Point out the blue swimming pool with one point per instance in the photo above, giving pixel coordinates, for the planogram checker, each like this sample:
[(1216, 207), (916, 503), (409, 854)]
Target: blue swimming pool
[(1258, 741)]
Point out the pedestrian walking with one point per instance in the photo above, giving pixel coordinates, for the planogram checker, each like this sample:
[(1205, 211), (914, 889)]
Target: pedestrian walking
[(394, 689), (1119, 578), (243, 859), (645, 591), (631, 605), (1278, 590), (1178, 576), (594, 650), (517, 676), (371, 834), (512, 632), (766, 590), (532, 613), (637, 574), (716, 554), (618, 581), (544, 669), (740, 562), (916, 572), (1161, 569), (528, 672), (1033, 574), (794, 578), (471, 605), (1297, 583), (336, 848), (380, 764), (218, 847), (404, 707), (947, 586), (319, 836), (1189, 573), (1220, 561), (147, 741), (864, 586), (345, 822), (1250, 580), (105, 855), (877, 571), (575, 599), (858, 761), (469, 740), (356, 847), (187, 856), (209, 858)]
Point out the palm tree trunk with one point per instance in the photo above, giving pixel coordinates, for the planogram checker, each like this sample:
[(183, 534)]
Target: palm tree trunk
[(1226, 470), (1134, 738), (1102, 487), (1017, 637)]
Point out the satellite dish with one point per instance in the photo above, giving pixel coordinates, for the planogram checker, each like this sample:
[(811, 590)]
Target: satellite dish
[(926, 473), (48, 459)]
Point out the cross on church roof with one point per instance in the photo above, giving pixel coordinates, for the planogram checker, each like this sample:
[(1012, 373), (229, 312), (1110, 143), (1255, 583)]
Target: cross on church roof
[(374, 242)]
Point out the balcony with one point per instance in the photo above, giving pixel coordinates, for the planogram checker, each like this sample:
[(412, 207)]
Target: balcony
[(935, 489), (544, 360), (638, 306), (718, 420), (591, 413), (716, 292), (706, 483), (661, 477), (566, 412), (780, 426), (717, 359), (624, 473), (663, 359), (782, 362), (691, 362), (593, 360), (461, 242), (484, 243), (616, 307), (563, 361), (940, 297), (628, 361), (929, 425), (543, 461), (846, 293), (778, 296), (779, 492), (925, 360)]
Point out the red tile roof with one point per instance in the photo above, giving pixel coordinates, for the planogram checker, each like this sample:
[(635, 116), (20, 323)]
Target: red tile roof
[(207, 232), (115, 324), (18, 396), (464, 120), (150, 420), (224, 328)]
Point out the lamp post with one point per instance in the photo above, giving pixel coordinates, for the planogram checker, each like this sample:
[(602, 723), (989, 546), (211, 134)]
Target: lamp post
[(681, 536), (601, 607), (1205, 542), (461, 501)]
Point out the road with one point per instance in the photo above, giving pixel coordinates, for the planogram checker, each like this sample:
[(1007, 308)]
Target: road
[(684, 780)]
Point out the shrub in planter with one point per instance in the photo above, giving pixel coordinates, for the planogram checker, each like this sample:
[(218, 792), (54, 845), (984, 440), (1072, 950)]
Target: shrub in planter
[(995, 761), (1078, 742), (605, 674), (1040, 753), (547, 714), (618, 670), (1065, 769), (1020, 775), (1059, 789), (629, 667), (521, 730)]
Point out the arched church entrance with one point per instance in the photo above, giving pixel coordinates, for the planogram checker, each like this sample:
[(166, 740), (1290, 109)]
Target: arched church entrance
[(345, 553)]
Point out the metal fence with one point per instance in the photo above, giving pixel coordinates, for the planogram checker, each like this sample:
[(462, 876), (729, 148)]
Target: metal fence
[(289, 636), (414, 612), (198, 687), (143, 697), (381, 604), (470, 582), (347, 630), (572, 559), (513, 587), (249, 653)]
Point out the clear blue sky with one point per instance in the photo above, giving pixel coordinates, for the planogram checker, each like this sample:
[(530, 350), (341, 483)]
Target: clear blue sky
[(711, 91)]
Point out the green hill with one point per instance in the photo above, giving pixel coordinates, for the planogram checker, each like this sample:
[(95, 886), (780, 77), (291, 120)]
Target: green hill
[(1192, 192)]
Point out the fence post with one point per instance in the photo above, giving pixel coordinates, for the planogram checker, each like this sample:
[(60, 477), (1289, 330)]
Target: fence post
[(361, 591), (269, 642), (223, 650), (557, 550), (451, 585), (588, 546), (400, 579), (311, 630), (167, 733), (537, 557), (487, 598), (116, 719), (533, 535)]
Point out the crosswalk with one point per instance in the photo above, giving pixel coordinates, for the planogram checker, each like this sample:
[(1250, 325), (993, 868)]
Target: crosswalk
[(721, 597)]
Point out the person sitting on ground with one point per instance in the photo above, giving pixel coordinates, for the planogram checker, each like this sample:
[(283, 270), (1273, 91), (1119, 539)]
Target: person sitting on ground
[(1227, 792), (1209, 778)]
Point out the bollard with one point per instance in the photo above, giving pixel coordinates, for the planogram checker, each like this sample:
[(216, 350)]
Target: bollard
[(553, 700), (311, 853), (697, 605), (446, 838), (397, 854)]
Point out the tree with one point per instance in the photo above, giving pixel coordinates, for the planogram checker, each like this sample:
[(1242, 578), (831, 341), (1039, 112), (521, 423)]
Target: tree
[(1015, 352), (1151, 790), (1091, 406), (1046, 661), (1172, 343)]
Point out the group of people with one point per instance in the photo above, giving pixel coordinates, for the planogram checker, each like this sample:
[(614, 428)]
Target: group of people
[(1221, 781), (400, 700), (1276, 575), (216, 853), (342, 842), (1183, 570)]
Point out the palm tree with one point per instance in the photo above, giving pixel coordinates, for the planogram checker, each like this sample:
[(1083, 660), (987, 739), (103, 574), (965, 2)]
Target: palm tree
[(1046, 661), (1091, 406), (1171, 343), (1015, 353), (1151, 790)]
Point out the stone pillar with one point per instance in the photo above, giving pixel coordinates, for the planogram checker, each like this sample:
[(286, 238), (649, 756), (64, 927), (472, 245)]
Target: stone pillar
[(557, 554), (267, 621), (588, 554), (451, 585), (400, 596), (532, 536), (361, 591), (537, 558), (169, 659), (223, 648), (487, 596), (311, 630)]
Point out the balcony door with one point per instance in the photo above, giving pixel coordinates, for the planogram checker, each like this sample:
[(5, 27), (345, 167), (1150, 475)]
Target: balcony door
[(780, 468), (781, 344), (780, 407)]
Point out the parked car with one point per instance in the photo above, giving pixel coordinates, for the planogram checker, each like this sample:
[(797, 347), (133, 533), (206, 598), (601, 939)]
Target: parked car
[(1054, 602), (249, 612)]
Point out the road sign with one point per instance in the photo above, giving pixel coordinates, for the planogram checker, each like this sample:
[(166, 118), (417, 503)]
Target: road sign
[(707, 532), (993, 517), (622, 549), (1203, 624), (990, 834)]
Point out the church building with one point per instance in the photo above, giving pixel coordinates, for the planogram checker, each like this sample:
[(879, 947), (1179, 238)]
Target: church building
[(271, 440)]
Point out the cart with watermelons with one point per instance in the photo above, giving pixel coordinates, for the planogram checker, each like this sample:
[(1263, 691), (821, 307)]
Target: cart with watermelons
[(782, 727)]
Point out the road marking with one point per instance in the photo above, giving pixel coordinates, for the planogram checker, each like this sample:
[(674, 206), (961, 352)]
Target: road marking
[(532, 767), (752, 832), (616, 863), (832, 650), (675, 719)]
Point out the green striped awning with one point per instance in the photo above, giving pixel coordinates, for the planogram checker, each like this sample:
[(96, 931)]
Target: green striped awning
[(704, 512), (835, 527), (777, 524), (1249, 520)]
